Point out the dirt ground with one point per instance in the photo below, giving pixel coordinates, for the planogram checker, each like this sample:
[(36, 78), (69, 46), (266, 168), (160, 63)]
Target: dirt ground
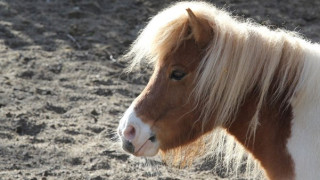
[(62, 90)]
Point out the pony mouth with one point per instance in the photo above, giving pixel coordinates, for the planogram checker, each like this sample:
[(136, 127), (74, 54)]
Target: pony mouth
[(153, 138), (151, 143)]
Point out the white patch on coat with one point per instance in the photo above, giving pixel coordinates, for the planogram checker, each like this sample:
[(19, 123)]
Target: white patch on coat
[(304, 143), (142, 133)]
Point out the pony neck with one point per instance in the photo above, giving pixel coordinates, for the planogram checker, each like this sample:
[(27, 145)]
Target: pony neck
[(269, 143)]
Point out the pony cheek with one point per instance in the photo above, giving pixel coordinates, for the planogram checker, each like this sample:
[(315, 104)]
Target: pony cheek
[(163, 135), (168, 138)]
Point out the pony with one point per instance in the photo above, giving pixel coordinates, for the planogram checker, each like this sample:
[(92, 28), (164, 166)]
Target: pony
[(225, 85)]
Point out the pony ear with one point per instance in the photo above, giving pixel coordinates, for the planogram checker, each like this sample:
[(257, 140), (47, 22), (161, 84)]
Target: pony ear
[(200, 28)]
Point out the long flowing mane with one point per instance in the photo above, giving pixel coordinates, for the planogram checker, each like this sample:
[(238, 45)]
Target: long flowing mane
[(242, 57)]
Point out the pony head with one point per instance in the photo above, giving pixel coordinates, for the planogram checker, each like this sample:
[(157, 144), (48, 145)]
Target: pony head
[(163, 115)]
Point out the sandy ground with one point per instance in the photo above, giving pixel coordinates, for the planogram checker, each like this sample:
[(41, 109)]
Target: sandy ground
[(62, 90)]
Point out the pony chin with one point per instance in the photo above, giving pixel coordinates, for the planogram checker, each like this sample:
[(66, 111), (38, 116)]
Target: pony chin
[(148, 149)]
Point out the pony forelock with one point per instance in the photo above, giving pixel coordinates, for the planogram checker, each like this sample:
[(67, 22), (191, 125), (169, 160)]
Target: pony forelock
[(164, 33)]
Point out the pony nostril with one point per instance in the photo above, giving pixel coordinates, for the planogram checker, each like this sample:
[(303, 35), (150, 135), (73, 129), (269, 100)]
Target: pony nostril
[(129, 133)]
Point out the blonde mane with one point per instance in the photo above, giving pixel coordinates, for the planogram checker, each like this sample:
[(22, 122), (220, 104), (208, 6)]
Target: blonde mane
[(241, 57)]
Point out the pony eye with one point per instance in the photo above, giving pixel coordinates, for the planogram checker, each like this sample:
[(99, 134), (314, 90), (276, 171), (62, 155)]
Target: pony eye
[(177, 75)]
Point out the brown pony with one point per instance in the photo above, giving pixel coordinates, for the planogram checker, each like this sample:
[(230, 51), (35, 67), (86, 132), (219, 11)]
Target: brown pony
[(222, 85)]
